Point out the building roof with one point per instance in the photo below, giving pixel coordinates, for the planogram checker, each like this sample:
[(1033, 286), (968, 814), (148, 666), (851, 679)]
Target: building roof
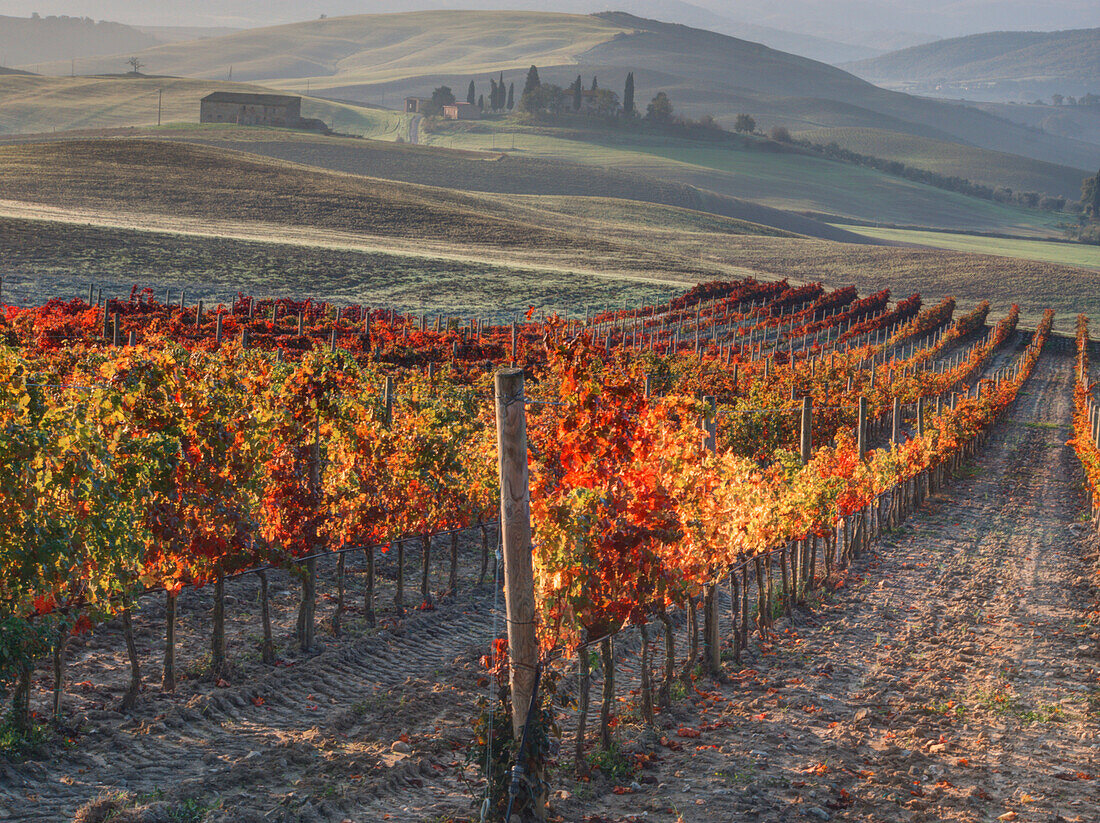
[(253, 99)]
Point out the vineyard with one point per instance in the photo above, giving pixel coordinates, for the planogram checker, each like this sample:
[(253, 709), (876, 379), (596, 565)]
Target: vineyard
[(669, 492)]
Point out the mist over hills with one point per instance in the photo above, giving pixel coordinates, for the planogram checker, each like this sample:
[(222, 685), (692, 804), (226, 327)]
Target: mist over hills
[(1002, 65), (27, 41), (378, 58)]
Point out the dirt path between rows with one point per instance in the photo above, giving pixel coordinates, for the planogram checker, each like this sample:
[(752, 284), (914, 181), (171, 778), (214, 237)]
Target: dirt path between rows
[(952, 677)]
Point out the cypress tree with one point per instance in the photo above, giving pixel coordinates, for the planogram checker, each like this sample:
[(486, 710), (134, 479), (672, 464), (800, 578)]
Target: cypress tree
[(577, 86), (628, 94), (492, 94), (511, 96), (500, 93), (481, 102), (595, 85), (533, 81), (471, 95)]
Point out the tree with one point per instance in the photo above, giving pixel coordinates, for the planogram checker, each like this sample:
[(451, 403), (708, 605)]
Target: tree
[(1057, 99), (606, 102), (135, 65), (481, 102), (493, 93), (744, 123), (780, 134), (533, 81), (545, 98), (595, 85), (1090, 196), (471, 94), (511, 96), (577, 97), (628, 94), (498, 103), (442, 96), (659, 109)]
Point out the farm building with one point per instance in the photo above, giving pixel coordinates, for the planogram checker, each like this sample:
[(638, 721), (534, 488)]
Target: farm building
[(415, 105), (462, 111), (251, 109)]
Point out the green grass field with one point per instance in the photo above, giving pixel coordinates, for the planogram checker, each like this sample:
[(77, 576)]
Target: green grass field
[(991, 168), (31, 105), (1066, 254), (783, 180)]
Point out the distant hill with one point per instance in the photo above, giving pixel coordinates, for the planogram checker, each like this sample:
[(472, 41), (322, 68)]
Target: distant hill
[(381, 58), (33, 104), (180, 34), (997, 66), (25, 41)]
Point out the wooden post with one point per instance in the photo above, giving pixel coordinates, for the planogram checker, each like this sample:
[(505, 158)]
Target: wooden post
[(806, 440), (387, 398), (920, 417), (218, 329), (895, 434), (198, 316), (117, 332), (711, 635), (515, 524), (861, 428)]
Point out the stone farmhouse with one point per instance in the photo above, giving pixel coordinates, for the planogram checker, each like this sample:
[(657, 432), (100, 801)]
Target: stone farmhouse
[(252, 109), (462, 111)]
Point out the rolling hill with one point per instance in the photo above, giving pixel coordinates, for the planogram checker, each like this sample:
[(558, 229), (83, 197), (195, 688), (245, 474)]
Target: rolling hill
[(366, 57), (990, 168), (31, 104), (996, 66), (25, 41), (125, 211)]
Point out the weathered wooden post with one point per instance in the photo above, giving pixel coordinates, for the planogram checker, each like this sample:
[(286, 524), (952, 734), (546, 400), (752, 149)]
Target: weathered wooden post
[(117, 331), (806, 440), (387, 399), (711, 636), (861, 428), (515, 524), (218, 328)]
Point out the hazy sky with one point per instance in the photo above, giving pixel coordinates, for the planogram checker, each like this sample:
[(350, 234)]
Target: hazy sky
[(944, 18)]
